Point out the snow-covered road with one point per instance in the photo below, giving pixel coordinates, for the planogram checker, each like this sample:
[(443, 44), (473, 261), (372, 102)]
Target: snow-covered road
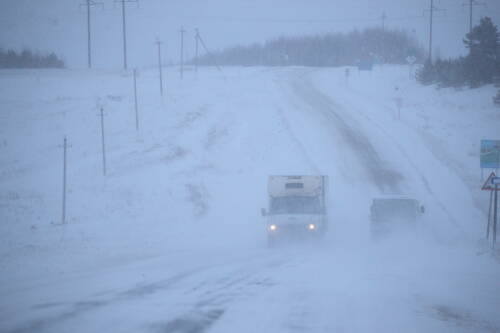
[(320, 289), (213, 273)]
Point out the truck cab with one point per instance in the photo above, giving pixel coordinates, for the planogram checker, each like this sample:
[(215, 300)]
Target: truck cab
[(296, 207)]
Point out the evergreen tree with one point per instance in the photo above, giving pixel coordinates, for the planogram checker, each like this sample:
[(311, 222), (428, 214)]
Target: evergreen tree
[(427, 74), (331, 49), (28, 59), (450, 72), (496, 99), (483, 61)]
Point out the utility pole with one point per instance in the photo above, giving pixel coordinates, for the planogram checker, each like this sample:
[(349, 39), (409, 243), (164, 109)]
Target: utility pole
[(489, 216), (431, 17), (124, 29), (182, 52), (135, 101), (124, 42), (430, 30), (196, 37), (495, 208), (383, 46), (88, 35), (206, 50), (65, 147), (158, 43), (472, 4), (88, 4), (103, 144)]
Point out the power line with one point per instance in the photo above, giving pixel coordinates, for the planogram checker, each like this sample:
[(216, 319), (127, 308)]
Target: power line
[(305, 20), (88, 4)]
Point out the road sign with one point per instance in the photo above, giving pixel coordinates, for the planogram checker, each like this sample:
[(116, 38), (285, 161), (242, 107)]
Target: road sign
[(489, 185), (490, 154), (495, 181), (411, 59)]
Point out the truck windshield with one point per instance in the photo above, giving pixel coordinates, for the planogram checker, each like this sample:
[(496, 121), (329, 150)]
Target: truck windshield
[(295, 205)]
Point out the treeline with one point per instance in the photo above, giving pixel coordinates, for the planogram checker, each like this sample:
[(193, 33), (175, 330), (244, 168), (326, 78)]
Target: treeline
[(481, 65), (332, 49), (28, 59)]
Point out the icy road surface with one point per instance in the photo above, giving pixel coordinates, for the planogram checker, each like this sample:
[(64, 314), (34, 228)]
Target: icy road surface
[(171, 240)]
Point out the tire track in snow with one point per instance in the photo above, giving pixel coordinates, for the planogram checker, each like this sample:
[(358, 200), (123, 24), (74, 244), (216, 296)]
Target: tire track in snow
[(298, 144), (408, 158), (384, 178), (422, 177), (81, 307), (210, 298), (215, 298)]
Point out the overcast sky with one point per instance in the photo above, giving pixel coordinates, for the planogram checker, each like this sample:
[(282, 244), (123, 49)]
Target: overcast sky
[(61, 25)]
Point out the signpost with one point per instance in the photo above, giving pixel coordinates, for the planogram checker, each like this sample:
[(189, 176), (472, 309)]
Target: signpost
[(399, 105), (399, 101), (492, 184), (65, 147), (495, 208)]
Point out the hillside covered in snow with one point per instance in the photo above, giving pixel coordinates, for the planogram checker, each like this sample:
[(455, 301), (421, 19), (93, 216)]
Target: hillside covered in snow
[(171, 238)]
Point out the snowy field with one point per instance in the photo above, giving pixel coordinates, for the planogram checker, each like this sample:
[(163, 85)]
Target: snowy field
[(171, 239)]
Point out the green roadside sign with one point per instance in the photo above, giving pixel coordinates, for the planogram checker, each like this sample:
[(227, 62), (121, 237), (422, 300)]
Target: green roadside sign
[(490, 154)]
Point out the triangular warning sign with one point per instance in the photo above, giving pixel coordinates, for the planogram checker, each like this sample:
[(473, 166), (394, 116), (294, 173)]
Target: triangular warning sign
[(488, 186)]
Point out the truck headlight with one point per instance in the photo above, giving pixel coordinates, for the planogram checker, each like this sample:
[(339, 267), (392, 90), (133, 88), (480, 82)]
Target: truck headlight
[(273, 227), (311, 226)]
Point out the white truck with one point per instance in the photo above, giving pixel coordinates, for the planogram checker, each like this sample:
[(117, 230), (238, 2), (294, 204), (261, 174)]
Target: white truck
[(297, 207)]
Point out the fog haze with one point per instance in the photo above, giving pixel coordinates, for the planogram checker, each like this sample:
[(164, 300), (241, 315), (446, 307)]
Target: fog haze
[(60, 25), (309, 185)]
